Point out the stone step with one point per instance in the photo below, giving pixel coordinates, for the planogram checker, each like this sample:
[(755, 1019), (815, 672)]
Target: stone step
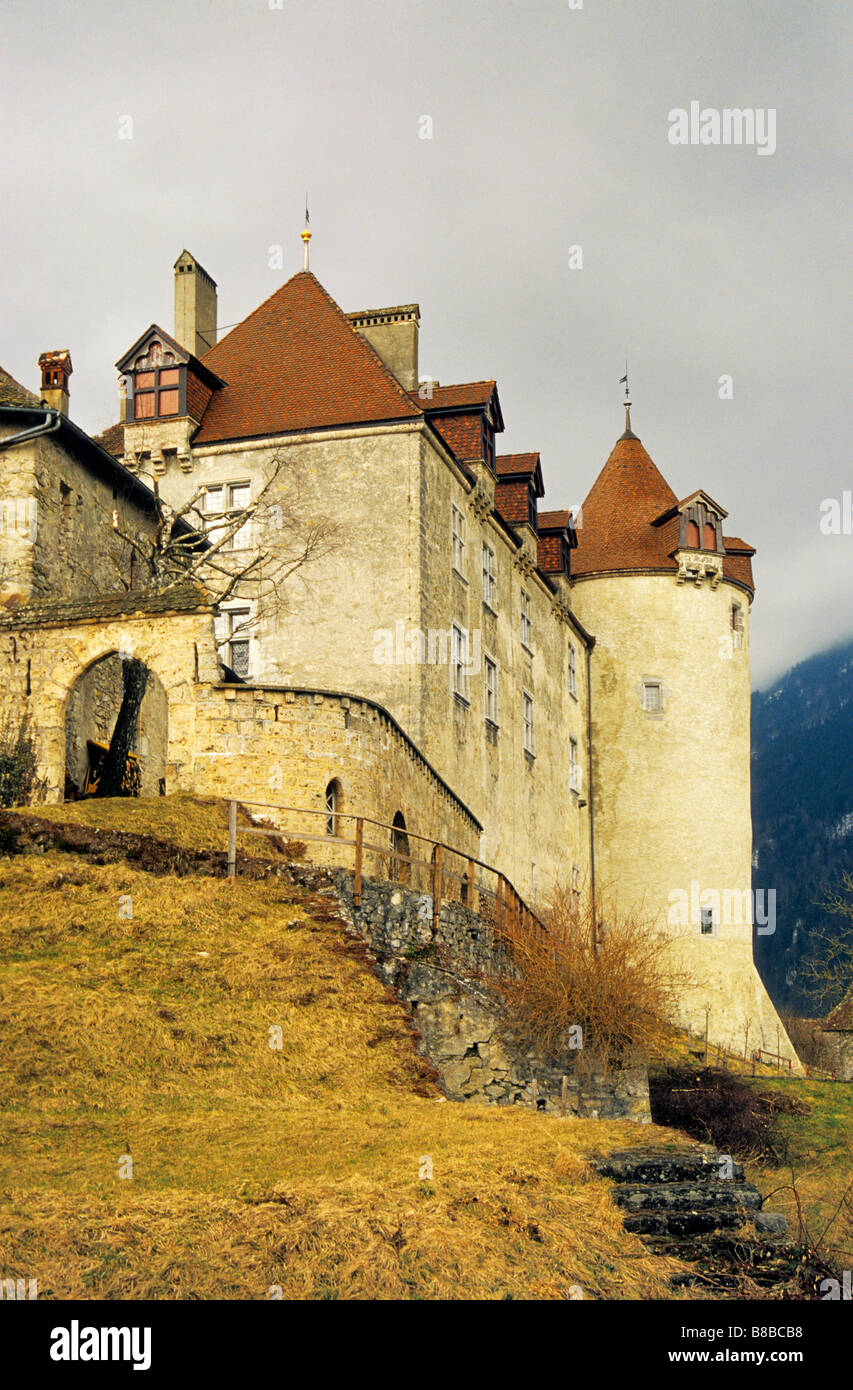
[(687, 1166), (683, 1223), (688, 1196), (687, 1205), (751, 1251)]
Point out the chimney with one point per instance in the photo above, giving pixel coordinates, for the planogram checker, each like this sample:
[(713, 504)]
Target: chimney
[(393, 334), (56, 368), (195, 306)]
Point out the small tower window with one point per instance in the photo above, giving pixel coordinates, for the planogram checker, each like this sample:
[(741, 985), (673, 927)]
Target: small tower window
[(706, 921), (333, 807), (652, 697), (737, 627)]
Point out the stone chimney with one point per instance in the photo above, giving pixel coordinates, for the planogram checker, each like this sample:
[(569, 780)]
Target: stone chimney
[(56, 368), (195, 306), (393, 334)]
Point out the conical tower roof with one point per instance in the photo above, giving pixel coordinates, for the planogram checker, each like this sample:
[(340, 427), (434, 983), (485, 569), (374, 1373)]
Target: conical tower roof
[(616, 531)]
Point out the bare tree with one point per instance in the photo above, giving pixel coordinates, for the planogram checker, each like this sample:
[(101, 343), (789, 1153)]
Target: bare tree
[(827, 971), (251, 552)]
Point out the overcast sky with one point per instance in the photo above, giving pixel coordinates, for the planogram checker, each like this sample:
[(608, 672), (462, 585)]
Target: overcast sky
[(550, 129)]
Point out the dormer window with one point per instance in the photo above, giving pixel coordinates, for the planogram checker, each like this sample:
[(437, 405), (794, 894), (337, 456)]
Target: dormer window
[(701, 526), (157, 381), (157, 392)]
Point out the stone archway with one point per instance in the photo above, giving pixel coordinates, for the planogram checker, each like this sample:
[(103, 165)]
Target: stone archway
[(91, 711), (46, 651)]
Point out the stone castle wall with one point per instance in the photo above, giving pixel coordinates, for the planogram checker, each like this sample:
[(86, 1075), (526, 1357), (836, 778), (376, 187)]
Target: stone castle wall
[(57, 536), (447, 980), (375, 616)]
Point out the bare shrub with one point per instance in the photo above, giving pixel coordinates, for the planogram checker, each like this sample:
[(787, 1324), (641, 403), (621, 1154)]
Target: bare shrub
[(723, 1109), (611, 974), (809, 1041)]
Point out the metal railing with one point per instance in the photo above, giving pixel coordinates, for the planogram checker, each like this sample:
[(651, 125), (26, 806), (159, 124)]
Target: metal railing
[(447, 874)]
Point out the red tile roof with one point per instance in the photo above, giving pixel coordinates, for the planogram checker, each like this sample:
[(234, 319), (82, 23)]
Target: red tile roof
[(508, 465), (737, 562), (554, 521), (112, 440), (474, 393), (734, 545), (296, 363)]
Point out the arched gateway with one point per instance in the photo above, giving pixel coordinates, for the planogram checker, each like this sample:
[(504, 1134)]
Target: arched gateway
[(60, 665)]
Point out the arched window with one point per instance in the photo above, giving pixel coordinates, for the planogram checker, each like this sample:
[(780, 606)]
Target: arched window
[(398, 868), (709, 536), (333, 806), (691, 535)]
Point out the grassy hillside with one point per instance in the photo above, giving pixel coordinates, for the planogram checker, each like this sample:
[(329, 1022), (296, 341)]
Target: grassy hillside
[(148, 1035), (819, 1162)]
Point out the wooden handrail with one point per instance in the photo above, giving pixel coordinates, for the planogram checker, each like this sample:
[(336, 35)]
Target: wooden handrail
[(503, 895)]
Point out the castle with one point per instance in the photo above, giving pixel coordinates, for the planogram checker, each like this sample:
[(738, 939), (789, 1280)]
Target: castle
[(565, 697)]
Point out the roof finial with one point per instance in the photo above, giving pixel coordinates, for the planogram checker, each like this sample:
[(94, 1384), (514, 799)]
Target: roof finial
[(627, 399), (306, 235)]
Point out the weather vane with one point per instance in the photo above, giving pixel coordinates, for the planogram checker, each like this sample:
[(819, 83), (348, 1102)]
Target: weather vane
[(306, 235), (627, 401)]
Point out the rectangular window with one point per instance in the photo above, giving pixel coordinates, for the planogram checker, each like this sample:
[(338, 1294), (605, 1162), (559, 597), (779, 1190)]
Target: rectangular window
[(574, 766), (212, 508), (526, 621), (737, 627), (239, 499), (458, 526), (223, 505), (573, 670), (652, 697), (490, 578), (237, 645), (527, 732), (706, 921), (490, 687), (157, 392), (459, 662)]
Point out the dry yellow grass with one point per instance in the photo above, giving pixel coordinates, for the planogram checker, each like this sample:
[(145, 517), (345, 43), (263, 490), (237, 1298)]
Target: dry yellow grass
[(193, 822), (253, 1168)]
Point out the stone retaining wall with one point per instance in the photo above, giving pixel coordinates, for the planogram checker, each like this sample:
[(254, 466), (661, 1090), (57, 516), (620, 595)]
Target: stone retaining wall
[(444, 978)]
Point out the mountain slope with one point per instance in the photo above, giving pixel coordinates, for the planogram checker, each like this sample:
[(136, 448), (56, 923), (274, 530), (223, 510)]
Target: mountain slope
[(802, 807)]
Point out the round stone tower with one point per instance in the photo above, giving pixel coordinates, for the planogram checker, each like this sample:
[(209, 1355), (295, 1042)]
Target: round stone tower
[(667, 596)]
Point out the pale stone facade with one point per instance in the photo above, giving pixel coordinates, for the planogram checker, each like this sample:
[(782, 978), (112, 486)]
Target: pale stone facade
[(376, 618), (672, 788)]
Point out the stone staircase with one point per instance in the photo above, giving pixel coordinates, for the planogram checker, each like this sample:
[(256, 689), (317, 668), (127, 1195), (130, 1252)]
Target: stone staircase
[(695, 1206)]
